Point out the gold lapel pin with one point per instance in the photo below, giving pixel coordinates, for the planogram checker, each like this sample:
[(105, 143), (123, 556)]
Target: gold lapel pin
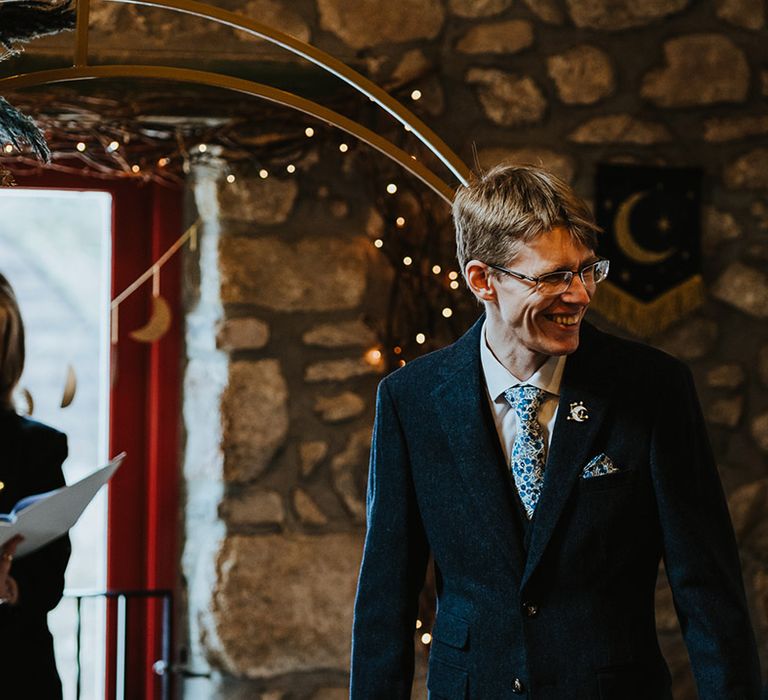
[(578, 412)]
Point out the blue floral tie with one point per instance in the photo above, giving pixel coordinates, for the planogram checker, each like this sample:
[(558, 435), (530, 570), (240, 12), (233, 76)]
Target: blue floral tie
[(528, 450)]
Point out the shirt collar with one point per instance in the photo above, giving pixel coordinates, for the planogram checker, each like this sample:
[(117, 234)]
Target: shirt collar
[(498, 378)]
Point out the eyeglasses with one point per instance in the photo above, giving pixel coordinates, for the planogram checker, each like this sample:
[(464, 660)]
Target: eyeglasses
[(554, 283)]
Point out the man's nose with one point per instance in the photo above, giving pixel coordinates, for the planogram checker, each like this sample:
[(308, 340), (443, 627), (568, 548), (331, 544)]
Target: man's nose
[(577, 293)]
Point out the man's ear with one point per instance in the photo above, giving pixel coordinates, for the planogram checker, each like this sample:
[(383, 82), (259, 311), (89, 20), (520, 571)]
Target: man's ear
[(480, 281)]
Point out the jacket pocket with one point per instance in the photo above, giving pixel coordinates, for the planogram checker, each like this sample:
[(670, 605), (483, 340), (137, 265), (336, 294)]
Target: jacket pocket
[(446, 682), (451, 630)]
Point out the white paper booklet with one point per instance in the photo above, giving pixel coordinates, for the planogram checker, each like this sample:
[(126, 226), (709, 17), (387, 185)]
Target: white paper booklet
[(45, 516)]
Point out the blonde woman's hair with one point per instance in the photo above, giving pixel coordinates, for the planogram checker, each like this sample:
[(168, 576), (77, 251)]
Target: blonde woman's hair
[(510, 205), (11, 343)]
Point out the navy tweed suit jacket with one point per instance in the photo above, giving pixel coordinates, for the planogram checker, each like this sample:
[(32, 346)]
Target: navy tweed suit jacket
[(573, 617)]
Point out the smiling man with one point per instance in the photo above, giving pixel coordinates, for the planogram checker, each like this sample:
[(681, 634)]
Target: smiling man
[(548, 468)]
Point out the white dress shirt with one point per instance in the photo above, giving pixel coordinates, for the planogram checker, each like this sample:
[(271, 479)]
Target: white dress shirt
[(498, 379)]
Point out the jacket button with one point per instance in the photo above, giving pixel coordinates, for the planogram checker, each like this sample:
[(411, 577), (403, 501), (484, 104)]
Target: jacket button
[(530, 609), (517, 687)]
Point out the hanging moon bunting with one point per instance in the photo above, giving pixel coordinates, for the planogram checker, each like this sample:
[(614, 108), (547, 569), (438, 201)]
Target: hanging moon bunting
[(29, 400), (70, 387), (627, 242), (158, 324)]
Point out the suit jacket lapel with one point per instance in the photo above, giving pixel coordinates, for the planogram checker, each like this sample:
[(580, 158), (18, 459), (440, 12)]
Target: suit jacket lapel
[(584, 380), (461, 404)]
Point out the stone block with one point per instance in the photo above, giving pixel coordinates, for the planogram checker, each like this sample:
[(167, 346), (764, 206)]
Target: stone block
[(477, 8), (314, 274), (308, 511), (311, 454), (339, 370), (727, 376), (254, 410), (613, 15), (283, 604), (257, 201), (345, 334), (275, 14), (743, 288), (719, 227), (583, 75), (759, 429), (719, 129), (395, 22), (507, 99), (242, 334), (620, 128), (334, 409), (354, 458), (546, 10), (254, 507), (560, 164), (700, 69), (749, 172), (689, 340), (725, 412), (500, 38), (749, 14)]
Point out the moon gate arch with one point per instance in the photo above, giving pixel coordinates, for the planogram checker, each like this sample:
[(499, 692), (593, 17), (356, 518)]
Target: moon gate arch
[(81, 70)]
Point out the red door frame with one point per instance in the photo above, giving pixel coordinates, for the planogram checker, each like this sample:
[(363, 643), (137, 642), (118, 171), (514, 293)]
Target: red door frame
[(145, 415)]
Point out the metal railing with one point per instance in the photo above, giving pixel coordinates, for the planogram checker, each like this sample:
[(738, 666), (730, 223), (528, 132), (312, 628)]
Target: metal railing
[(161, 667)]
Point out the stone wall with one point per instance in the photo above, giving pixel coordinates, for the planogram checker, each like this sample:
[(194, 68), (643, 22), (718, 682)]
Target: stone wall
[(290, 289)]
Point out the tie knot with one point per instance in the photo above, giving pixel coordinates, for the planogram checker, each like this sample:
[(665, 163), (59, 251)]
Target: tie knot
[(525, 400)]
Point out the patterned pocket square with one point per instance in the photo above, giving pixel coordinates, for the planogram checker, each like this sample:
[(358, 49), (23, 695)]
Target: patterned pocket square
[(599, 466)]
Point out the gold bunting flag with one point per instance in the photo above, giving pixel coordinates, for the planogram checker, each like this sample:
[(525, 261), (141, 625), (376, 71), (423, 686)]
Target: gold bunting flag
[(651, 218)]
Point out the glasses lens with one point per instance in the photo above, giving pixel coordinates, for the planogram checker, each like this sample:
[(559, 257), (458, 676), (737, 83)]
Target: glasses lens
[(554, 283), (601, 270)]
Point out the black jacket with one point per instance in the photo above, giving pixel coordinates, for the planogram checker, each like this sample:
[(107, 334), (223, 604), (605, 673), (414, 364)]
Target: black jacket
[(573, 617), (31, 455)]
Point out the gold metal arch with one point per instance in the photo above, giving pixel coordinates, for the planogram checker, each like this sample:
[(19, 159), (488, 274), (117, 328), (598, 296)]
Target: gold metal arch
[(82, 70), (249, 87)]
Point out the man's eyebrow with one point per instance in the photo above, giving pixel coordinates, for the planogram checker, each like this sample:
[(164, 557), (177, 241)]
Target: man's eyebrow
[(584, 263)]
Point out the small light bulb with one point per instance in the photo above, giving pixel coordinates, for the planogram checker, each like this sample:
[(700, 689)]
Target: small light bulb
[(407, 260), (230, 178), (454, 285), (407, 128), (452, 275), (80, 146), (135, 168), (421, 338), (343, 147), (436, 269), (402, 363), (373, 357), (378, 243), (113, 146), (447, 313), (416, 95), (391, 188), (400, 221), (419, 624), (263, 174), (8, 148), (309, 131), (426, 638), (163, 162), (291, 168), (397, 349), (202, 148)]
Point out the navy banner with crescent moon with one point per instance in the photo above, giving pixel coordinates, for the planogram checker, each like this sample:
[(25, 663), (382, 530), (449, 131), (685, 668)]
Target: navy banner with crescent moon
[(651, 218)]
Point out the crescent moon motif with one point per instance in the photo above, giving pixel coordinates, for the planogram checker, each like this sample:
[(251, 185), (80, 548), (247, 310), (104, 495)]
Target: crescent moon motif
[(70, 387), (627, 242), (158, 324)]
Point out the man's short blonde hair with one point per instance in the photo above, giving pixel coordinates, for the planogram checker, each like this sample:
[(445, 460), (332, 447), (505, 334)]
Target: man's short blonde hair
[(503, 209), (11, 343)]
